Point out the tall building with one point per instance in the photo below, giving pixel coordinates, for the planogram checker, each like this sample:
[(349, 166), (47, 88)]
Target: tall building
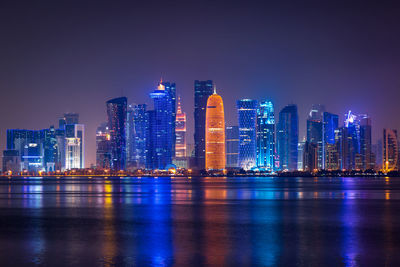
[(74, 146), (50, 150), (11, 161), (116, 111), (130, 137), (315, 131), (390, 150), (140, 123), (202, 90), (170, 88), (332, 152), (215, 133), (288, 137), (247, 118), (367, 157), (329, 130), (103, 147), (161, 131), (180, 132), (310, 156), (266, 136), (232, 146)]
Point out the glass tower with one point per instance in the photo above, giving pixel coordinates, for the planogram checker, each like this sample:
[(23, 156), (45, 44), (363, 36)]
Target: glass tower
[(265, 136), (202, 90), (247, 118), (288, 137), (116, 111), (315, 133), (232, 146)]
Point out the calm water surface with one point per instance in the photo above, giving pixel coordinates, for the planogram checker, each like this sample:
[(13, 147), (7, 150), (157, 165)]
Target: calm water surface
[(200, 221)]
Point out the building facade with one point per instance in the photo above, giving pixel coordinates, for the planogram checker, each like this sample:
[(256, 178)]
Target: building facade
[(232, 146), (266, 136), (288, 137), (390, 150)]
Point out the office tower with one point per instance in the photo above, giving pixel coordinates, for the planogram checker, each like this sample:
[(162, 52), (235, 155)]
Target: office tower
[(74, 146), (11, 161), (315, 131), (247, 118), (232, 146), (60, 139), (265, 136), (50, 150), (390, 150), (180, 132), (116, 111), (288, 136), (170, 88), (202, 90), (103, 147), (215, 133), (378, 152), (71, 118), (332, 152), (367, 157), (130, 137), (310, 156), (29, 144), (329, 130), (350, 142), (300, 154), (161, 137), (141, 121)]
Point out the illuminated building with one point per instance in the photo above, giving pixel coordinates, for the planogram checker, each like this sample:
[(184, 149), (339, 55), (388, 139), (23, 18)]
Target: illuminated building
[(265, 136), (74, 146), (247, 118), (50, 150), (367, 157), (170, 88), (332, 152), (140, 122), (180, 129), (288, 136), (315, 131), (310, 156), (390, 150), (103, 147), (202, 90), (116, 111), (330, 128), (11, 161), (232, 146), (160, 130), (215, 133)]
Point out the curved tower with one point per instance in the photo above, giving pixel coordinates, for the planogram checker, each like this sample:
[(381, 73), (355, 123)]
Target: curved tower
[(215, 133)]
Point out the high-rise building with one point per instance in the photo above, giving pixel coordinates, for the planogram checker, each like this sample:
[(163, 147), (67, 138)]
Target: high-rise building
[(180, 132), (71, 118), (74, 146), (329, 130), (266, 136), (288, 137), (310, 156), (141, 122), (390, 150), (247, 118), (161, 131), (11, 161), (103, 147), (232, 146), (50, 150), (202, 90), (215, 133), (116, 111), (332, 152), (170, 88), (367, 157), (315, 131)]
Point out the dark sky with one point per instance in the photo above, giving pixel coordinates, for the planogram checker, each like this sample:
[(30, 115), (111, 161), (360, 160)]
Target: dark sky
[(70, 56)]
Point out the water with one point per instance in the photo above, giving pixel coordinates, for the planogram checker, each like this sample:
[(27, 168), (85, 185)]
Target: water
[(200, 221)]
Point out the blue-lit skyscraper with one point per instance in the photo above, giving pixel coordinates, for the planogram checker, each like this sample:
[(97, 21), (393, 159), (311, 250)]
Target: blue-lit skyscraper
[(116, 111), (202, 90), (265, 136), (288, 138), (161, 130), (315, 133), (141, 121), (247, 118), (329, 128), (170, 88)]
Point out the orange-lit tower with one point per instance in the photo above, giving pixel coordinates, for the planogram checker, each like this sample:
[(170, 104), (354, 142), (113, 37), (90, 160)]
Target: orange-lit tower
[(180, 132), (215, 133)]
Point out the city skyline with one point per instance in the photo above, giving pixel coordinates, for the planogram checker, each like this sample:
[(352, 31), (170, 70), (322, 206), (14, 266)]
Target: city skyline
[(53, 67)]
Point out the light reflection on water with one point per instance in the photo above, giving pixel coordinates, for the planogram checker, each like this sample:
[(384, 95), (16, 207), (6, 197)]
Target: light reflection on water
[(200, 221)]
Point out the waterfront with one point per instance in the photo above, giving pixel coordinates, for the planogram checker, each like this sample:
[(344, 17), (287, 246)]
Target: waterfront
[(200, 221)]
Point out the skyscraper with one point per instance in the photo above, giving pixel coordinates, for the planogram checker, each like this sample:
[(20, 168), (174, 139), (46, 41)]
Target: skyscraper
[(266, 136), (232, 146), (141, 122), (202, 90), (367, 157), (170, 88), (116, 111), (103, 147), (180, 132), (161, 131), (215, 133), (329, 129), (315, 131), (288, 137), (390, 150), (247, 118), (74, 146)]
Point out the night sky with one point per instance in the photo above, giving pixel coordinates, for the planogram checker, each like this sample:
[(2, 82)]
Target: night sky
[(58, 57)]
